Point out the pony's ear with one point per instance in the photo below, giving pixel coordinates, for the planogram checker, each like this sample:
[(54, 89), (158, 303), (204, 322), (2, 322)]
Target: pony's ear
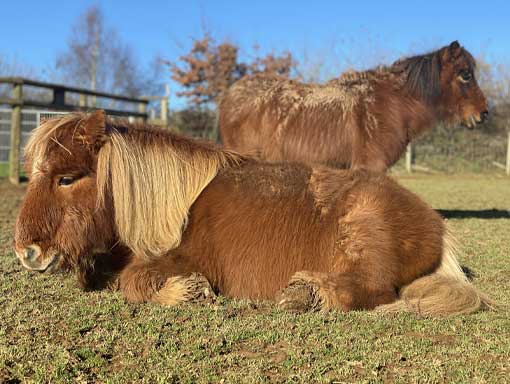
[(93, 129), (452, 51), (455, 49)]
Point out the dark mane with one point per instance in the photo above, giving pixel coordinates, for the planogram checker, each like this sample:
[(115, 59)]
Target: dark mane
[(421, 73)]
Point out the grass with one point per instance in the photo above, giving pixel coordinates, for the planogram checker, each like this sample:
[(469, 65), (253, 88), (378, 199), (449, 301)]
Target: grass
[(4, 170), (52, 332)]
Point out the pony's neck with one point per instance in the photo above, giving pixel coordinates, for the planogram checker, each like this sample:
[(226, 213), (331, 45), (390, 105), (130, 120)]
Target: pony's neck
[(417, 114), (421, 117)]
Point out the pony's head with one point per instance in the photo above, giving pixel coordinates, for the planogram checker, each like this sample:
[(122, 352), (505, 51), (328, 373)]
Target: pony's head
[(445, 79), (95, 183), (60, 223)]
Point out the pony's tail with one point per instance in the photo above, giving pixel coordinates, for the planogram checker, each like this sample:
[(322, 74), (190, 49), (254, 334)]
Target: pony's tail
[(447, 291)]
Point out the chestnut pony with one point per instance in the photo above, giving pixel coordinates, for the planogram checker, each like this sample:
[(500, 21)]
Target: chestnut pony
[(360, 120), (168, 219)]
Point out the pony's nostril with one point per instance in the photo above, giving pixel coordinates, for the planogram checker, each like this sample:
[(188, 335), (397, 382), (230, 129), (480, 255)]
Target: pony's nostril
[(484, 115), (31, 253)]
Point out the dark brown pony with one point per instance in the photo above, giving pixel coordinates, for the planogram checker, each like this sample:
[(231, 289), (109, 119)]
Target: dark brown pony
[(173, 220), (360, 120)]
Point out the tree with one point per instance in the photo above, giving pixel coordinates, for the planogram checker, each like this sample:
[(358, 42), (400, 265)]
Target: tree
[(11, 67), (273, 65), (208, 69), (495, 82), (97, 58)]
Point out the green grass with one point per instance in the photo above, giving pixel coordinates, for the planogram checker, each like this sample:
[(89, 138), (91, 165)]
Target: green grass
[(52, 332), (4, 170)]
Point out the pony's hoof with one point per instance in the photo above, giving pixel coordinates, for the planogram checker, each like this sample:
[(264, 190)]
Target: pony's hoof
[(299, 297), (194, 288), (199, 289)]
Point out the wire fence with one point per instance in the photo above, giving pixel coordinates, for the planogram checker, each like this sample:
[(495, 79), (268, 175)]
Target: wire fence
[(461, 150), (30, 119)]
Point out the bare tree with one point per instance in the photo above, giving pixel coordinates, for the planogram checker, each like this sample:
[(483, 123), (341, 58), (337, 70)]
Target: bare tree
[(15, 68), (494, 80), (338, 54), (98, 59)]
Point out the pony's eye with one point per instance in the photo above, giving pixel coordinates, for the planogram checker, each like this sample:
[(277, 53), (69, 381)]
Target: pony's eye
[(465, 76), (66, 180)]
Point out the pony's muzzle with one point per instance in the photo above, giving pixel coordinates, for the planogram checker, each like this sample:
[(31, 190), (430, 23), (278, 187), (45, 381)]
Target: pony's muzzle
[(483, 116), (31, 257)]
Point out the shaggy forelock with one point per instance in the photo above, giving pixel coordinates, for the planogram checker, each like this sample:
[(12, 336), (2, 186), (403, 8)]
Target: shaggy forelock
[(49, 131)]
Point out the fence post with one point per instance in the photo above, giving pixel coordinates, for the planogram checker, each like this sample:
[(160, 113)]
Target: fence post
[(409, 158), (508, 154), (164, 111), (59, 96), (142, 108), (14, 153), (83, 100)]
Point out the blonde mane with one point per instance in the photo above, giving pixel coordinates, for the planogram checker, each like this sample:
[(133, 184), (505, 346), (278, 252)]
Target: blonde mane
[(154, 178)]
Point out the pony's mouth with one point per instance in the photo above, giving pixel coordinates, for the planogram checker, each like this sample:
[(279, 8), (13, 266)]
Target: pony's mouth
[(471, 122), (49, 265)]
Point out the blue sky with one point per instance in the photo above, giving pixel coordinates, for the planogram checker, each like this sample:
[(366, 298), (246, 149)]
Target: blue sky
[(34, 32)]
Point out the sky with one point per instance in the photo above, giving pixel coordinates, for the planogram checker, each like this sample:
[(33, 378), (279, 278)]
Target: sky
[(35, 32)]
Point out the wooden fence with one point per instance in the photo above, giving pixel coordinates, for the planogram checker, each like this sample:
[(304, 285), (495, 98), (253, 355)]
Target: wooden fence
[(86, 102)]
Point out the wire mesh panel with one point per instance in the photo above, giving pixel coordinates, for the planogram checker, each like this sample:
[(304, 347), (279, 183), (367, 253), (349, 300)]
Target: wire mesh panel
[(30, 119), (5, 134), (43, 115)]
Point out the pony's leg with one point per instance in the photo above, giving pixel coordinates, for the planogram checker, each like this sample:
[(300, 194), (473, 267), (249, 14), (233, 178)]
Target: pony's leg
[(139, 281), (158, 282), (314, 291), (194, 288)]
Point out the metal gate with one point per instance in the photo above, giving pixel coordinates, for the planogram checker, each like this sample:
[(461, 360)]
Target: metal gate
[(30, 119)]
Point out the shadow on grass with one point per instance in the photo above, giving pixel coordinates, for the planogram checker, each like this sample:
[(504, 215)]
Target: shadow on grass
[(470, 274), (474, 214)]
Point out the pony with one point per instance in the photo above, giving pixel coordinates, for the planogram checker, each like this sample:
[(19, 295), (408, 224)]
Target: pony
[(359, 120), (167, 219)]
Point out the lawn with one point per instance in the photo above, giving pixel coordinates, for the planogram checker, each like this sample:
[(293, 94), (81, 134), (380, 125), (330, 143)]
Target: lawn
[(52, 332)]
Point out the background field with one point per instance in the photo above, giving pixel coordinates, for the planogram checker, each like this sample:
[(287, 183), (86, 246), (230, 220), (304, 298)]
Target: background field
[(50, 331)]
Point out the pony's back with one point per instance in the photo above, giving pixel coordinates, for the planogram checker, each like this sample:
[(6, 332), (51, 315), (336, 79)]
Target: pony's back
[(279, 119)]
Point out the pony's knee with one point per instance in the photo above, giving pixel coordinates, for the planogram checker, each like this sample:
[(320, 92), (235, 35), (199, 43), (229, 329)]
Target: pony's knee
[(300, 295), (307, 291)]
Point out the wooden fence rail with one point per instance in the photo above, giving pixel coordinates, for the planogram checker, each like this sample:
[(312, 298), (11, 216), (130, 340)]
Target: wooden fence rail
[(17, 101)]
